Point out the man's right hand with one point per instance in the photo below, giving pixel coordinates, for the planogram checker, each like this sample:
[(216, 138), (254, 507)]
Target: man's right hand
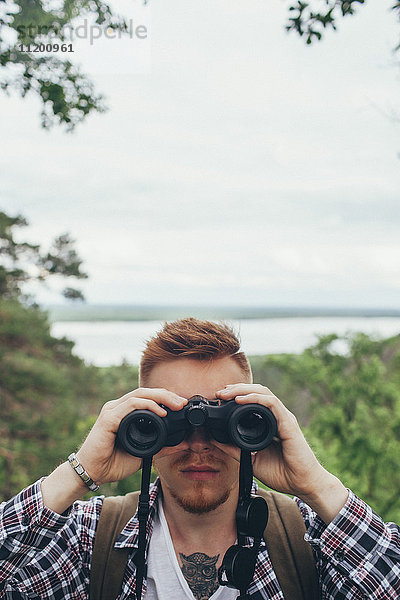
[(99, 455)]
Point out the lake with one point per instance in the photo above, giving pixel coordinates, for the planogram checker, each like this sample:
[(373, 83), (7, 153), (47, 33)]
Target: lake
[(110, 342)]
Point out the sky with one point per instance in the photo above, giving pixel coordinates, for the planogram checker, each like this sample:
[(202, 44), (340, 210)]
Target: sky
[(235, 165)]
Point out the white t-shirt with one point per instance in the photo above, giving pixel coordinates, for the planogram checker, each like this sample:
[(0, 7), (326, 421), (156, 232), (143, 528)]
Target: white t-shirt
[(165, 580)]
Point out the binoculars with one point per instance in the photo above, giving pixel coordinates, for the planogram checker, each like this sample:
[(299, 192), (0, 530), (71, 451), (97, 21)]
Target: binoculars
[(251, 427)]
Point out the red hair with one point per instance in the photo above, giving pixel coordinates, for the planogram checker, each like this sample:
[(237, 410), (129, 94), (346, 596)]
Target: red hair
[(195, 339)]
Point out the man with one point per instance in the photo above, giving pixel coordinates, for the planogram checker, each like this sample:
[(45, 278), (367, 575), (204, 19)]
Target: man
[(47, 535)]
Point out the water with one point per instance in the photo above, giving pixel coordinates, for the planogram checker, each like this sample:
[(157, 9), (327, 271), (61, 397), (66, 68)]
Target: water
[(111, 342)]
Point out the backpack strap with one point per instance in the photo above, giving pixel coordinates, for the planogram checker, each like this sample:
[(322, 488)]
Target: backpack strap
[(109, 563), (290, 554)]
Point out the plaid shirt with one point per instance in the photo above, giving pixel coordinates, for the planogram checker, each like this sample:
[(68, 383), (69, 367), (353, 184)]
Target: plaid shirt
[(47, 555)]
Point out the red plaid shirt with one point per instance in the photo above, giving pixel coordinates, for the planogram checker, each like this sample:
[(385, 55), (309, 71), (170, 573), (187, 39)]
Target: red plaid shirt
[(46, 555)]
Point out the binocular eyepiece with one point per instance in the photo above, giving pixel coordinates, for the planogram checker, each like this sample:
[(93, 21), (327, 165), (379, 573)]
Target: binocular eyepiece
[(251, 427)]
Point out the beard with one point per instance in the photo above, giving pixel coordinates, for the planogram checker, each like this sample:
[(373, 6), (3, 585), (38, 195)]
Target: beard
[(200, 498), (196, 501)]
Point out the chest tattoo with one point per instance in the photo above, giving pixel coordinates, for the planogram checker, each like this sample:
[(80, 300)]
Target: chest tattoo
[(200, 571)]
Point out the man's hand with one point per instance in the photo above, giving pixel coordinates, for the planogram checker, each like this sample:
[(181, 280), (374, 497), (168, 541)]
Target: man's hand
[(99, 455), (289, 465)]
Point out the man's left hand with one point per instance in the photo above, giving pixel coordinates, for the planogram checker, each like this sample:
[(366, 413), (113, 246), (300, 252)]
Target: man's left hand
[(289, 465)]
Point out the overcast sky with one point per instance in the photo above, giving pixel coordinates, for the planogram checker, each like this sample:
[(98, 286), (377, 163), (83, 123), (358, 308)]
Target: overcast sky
[(235, 165)]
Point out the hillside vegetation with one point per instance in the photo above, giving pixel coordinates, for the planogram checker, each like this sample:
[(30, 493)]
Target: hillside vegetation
[(349, 408), (49, 397)]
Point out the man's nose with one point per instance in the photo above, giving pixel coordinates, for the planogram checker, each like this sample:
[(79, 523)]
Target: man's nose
[(199, 439)]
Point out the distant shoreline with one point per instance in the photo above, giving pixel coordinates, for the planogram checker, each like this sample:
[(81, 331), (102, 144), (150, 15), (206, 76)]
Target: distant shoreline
[(87, 312)]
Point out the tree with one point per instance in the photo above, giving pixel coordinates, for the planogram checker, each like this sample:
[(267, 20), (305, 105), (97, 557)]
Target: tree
[(310, 19), (21, 262), (67, 95), (49, 397)]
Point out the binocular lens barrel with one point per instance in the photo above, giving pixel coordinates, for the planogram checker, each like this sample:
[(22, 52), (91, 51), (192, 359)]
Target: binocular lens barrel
[(142, 433), (252, 427)]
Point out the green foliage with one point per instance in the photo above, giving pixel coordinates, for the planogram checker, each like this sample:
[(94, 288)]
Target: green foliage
[(49, 398), (67, 95), (308, 22), (21, 262), (311, 19), (118, 380), (42, 384), (350, 410)]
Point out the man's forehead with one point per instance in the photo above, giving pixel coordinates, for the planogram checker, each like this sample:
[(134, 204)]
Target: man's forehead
[(186, 377)]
